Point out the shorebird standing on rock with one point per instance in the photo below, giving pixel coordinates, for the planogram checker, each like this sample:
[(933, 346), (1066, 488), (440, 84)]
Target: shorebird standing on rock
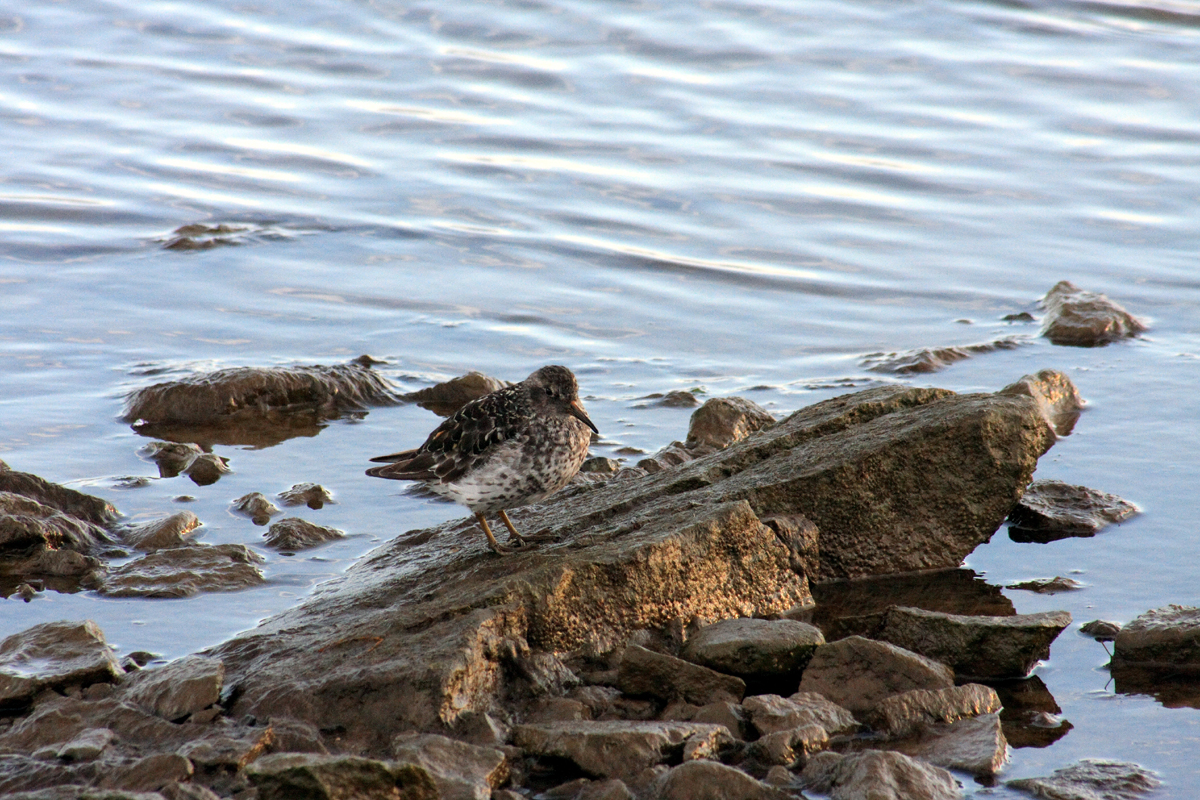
[(515, 446)]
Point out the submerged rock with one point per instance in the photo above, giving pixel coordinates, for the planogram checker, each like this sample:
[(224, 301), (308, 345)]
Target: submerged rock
[(185, 571), (932, 359), (172, 458), (976, 646), (257, 507), (445, 398), (254, 405), (1092, 779), (1052, 510), (313, 495), (1101, 630), (1047, 585), (53, 655), (292, 534), (1079, 318), (207, 468), (160, 534)]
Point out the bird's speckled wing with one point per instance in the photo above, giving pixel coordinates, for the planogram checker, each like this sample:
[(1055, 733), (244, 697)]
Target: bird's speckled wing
[(461, 442)]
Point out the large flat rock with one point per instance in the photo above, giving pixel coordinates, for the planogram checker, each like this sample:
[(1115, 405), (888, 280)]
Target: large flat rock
[(433, 625)]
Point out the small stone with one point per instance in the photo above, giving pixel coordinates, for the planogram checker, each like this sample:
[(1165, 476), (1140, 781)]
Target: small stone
[(162, 533), (178, 689), (1047, 585), (857, 673), (257, 507), (313, 495), (1078, 318), (307, 776), (679, 399), (207, 468), (292, 533), (1052, 510), (460, 771), (729, 715), (975, 745), (644, 672), (722, 421), (771, 713), (878, 775), (601, 465), (610, 749), (907, 713), (787, 747), (976, 646), (754, 649), (709, 780), (172, 458), (1101, 630), (1092, 779), (87, 745)]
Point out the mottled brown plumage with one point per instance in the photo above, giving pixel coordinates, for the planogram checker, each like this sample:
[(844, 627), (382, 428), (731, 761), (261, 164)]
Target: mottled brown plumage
[(510, 448)]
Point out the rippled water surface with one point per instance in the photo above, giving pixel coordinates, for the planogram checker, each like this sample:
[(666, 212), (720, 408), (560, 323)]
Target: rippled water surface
[(733, 197)]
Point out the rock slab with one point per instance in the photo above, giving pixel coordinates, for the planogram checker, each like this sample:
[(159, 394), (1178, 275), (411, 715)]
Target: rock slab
[(857, 673), (615, 748), (754, 649), (54, 654)]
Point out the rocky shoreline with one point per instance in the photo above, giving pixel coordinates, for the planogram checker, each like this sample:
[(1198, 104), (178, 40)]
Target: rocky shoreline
[(658, 642)]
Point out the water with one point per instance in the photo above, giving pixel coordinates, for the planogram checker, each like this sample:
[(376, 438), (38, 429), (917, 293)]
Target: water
[(735, 197)]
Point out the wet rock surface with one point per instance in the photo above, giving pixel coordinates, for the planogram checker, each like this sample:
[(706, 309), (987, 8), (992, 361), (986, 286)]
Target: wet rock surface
[(974, 745), (292, 534), (1092, 779), (976, 646), (1052, 510), (1080, 318), (178, 689), (460, 771), (906, 713), (1055, 395), (306, 776), (52, 655), (185, 571)]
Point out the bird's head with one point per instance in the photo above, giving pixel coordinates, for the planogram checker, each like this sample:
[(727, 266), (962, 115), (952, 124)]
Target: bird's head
[(553, 388)]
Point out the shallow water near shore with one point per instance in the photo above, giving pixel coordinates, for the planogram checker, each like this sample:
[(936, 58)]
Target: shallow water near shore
[(750, 199)]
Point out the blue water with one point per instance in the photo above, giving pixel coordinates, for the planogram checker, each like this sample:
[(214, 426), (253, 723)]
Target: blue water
[(736, 197)]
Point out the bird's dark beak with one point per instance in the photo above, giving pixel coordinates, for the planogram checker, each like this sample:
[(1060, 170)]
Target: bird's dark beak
[(578, 413)]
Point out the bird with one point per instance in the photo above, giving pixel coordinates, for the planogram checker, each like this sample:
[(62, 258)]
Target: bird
[(512, 447)]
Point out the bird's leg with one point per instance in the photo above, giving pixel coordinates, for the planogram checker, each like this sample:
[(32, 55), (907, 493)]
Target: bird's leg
[(512, 531), (492, 543), (529, 538)]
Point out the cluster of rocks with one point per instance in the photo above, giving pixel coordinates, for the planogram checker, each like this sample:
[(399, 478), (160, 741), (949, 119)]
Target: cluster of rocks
[(57, 538)]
